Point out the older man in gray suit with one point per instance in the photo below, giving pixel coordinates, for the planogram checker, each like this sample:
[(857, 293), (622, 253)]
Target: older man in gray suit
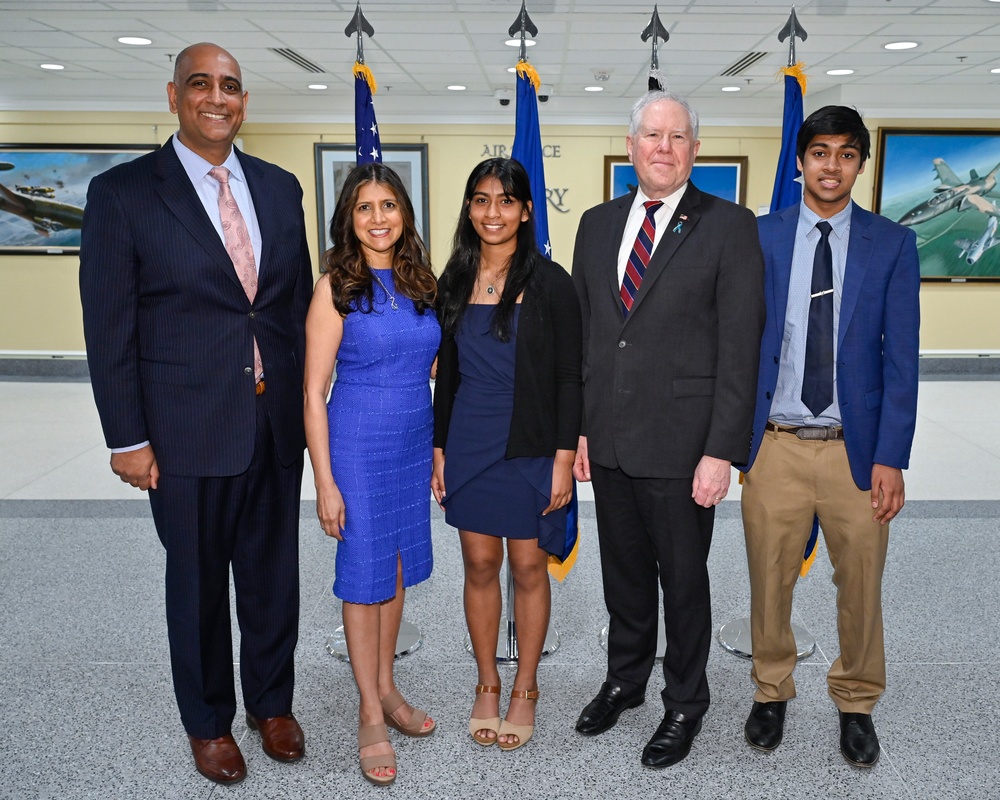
[(671, 287)]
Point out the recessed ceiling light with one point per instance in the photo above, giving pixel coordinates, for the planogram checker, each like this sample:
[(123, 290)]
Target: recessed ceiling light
[(52, 66), (995, 70), (843, 71), (511, 69), (593, 88), (317, 86), (731, 88), (517, 43), (456, 87), (138, 41), (900, 45)]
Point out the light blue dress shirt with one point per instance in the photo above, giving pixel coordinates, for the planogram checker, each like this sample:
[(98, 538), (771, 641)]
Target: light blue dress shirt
[(787, 407)]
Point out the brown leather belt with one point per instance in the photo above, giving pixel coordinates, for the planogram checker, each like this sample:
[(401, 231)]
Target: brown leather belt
[(808, 433), (261, 387)]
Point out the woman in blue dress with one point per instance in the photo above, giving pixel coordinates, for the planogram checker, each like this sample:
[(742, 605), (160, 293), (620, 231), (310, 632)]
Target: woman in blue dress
[(507, 414), (372, 317)]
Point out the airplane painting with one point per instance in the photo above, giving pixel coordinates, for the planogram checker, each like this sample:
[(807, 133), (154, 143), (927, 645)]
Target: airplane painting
[(944, 186), (951, 193), (43, 191)]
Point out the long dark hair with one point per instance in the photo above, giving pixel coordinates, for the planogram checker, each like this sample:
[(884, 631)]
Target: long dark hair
[(350, 278), (462, 269)]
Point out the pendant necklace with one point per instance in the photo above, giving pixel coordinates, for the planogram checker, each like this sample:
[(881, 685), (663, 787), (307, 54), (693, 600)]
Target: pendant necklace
[(392, 298)]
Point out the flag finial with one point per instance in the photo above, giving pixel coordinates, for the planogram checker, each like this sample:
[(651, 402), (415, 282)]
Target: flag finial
[(792, 29), (359, 25), (522, 26), (653, 32)]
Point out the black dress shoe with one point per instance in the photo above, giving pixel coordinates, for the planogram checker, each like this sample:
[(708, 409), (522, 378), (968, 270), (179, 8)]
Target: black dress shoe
[(672, 740), (601, 713), (765, 725), (858, 742)]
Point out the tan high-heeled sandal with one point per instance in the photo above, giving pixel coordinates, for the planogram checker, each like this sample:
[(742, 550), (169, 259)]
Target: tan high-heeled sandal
[(522, 732), (414, 726), (487, 724), (376, 734)]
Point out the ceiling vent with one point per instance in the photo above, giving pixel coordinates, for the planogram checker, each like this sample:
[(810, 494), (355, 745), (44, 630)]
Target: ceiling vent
[(298, 59), (747, 61)]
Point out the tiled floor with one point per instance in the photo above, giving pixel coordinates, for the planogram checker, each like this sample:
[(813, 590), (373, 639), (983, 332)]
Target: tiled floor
[(89, 713)]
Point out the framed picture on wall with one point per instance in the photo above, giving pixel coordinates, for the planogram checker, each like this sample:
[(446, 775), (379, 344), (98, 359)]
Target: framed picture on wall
[(335, 161), (723, 176), (943, 184), (43, 191)]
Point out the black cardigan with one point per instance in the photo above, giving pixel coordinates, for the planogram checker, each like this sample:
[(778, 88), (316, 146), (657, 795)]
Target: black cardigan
[(548, 387)]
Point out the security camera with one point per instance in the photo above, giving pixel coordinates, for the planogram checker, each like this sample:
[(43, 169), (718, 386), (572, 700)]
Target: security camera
[(503, 95), (505, 101), (543, 93), (543, 98)]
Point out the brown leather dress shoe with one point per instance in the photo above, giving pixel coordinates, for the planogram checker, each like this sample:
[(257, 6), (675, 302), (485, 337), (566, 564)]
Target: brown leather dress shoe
[(281, 737), (219, 760)]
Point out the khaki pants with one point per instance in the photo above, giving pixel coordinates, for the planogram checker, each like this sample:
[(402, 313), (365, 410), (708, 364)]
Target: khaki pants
[(792, 480)]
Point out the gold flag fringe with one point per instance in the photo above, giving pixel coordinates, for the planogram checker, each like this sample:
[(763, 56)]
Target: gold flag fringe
[(797, 72), (362, 71), (525, 70)]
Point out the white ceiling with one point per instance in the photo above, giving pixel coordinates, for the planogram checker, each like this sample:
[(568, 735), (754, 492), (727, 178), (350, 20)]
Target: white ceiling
[(421, 47)]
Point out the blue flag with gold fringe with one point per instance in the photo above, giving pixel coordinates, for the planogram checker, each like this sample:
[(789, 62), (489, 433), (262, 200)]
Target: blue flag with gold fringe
[(787, 188), (366, 138), (527, 150)]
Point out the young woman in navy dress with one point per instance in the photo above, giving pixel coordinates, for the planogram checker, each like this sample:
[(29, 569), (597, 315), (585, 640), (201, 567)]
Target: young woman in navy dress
[(372, 317), (507, 411)]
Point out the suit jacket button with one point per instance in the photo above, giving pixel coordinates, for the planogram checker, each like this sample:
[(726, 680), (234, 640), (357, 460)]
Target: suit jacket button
[(775, 359), (248, 370), (252, 315), (621, 344), (767, 395)]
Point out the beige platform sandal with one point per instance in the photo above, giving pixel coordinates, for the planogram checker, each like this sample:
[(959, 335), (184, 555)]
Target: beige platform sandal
[(375, 734), (522, 732), (414, 726), (489, 723)]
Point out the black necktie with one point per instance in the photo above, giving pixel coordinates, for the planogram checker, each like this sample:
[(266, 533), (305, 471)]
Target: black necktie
[(817, 381)]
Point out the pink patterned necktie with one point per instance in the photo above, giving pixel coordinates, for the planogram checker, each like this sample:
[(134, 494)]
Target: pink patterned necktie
[(239, 247)]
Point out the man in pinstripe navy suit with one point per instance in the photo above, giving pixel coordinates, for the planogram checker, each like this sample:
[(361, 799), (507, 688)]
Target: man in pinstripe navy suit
[(195, 279)]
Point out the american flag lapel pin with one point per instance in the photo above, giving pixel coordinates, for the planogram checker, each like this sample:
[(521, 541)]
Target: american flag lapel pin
[(677, 227)]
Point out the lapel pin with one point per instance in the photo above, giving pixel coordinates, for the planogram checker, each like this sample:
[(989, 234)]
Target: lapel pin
[(677, 227)]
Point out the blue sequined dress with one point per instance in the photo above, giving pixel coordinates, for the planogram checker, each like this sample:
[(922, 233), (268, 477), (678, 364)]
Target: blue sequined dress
[(381, 428)]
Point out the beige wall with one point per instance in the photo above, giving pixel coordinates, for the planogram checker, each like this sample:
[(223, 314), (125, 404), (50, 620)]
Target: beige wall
[(39, 305)]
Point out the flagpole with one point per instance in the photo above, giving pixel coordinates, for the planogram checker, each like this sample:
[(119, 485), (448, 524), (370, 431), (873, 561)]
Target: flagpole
[(735, 636), (368, 147), (527, 150)]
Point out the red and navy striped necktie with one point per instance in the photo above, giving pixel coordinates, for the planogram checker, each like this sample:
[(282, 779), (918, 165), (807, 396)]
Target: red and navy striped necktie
[(638, 259)]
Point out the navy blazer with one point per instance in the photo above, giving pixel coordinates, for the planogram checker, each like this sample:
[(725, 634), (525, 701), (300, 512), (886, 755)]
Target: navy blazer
[(169, 328), (877, 343), (675, 380)]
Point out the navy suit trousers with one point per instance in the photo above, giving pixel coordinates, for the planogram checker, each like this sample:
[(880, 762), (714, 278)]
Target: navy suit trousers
[(249, 522)]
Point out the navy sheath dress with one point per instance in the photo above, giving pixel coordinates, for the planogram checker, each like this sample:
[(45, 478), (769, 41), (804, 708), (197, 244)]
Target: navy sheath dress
[(487, 492)]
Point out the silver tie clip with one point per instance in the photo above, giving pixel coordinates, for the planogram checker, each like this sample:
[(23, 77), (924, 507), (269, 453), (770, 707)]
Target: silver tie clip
[(820, 294)]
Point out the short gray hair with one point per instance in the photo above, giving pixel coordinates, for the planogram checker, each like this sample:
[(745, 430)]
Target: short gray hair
[(656, 96)]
